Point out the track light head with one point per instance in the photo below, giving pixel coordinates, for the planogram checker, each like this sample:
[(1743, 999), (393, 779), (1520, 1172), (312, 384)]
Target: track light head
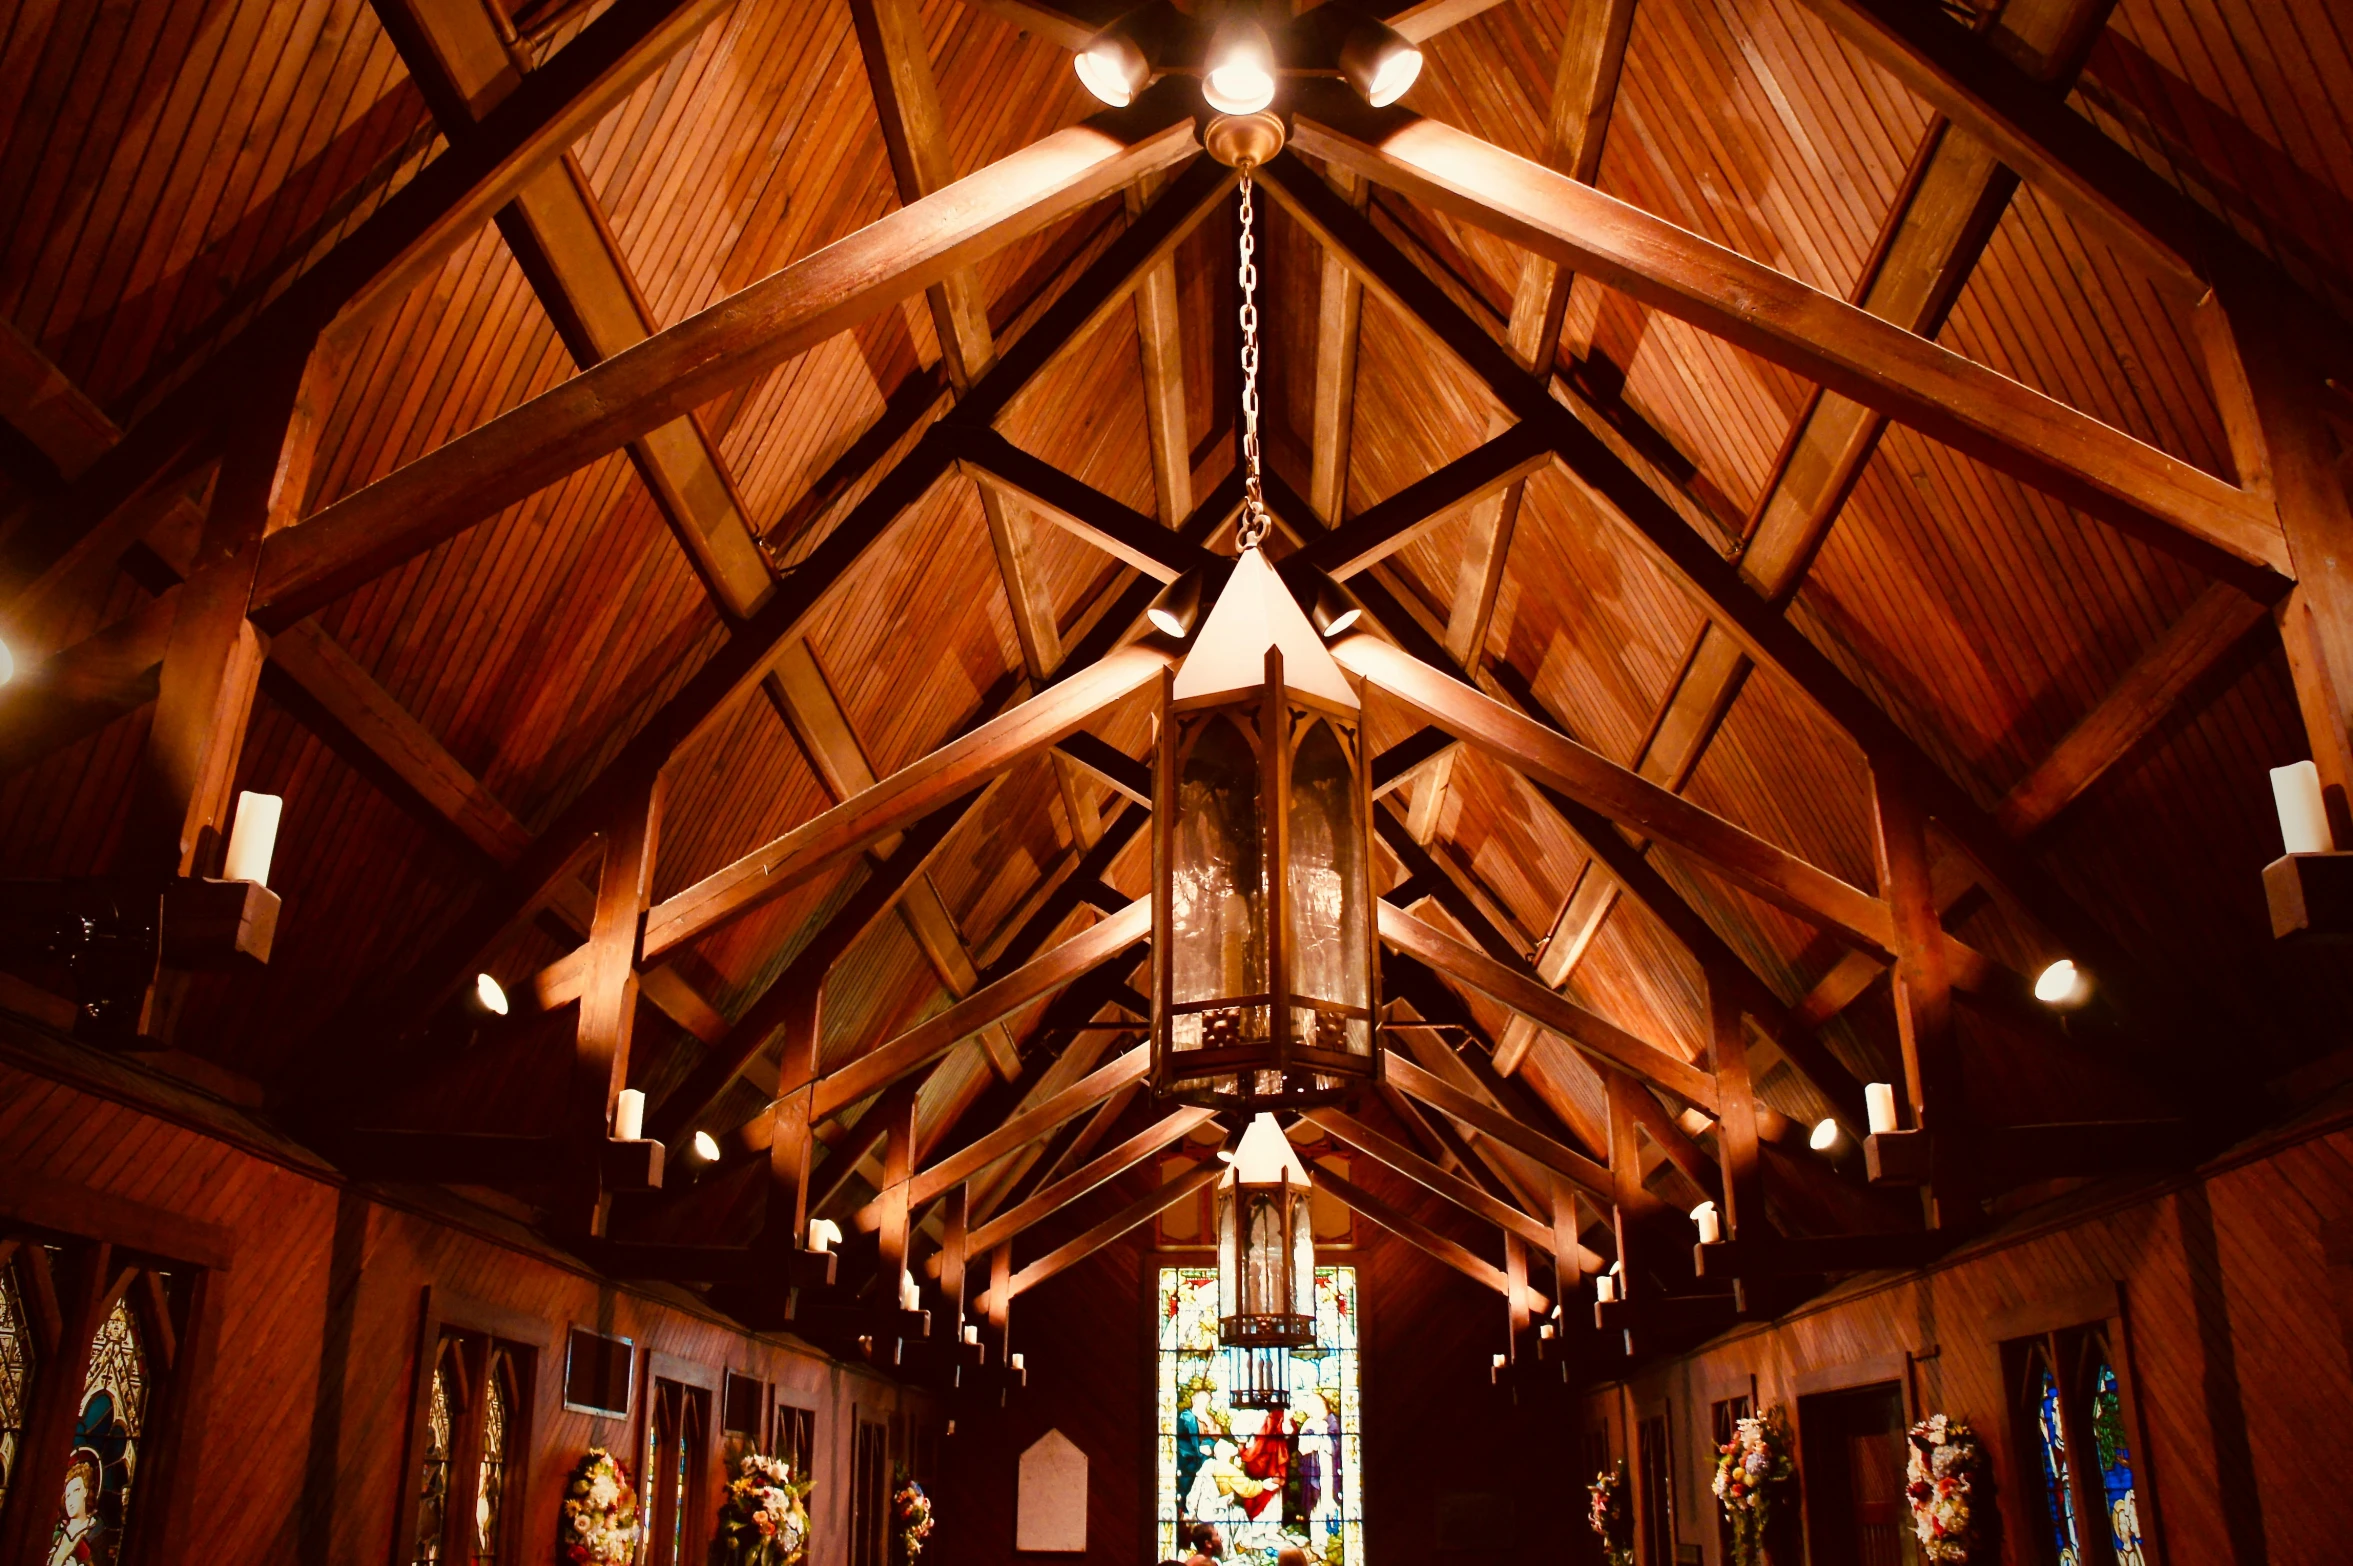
[(1379, 62), (1116, 63)]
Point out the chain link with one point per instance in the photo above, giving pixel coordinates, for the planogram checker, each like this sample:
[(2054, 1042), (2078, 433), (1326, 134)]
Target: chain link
[(1255, 521)]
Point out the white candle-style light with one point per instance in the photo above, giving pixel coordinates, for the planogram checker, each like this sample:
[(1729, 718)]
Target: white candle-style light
[(629, 1115), (824, 1235), (1501, 1361), (2303, 818), (971, 1332), (253, 838), (1545, 1331), (7, 664), (1711, 1223), (1605, 1288), (1019, 1366), (910, 1294), (1879, 1099)]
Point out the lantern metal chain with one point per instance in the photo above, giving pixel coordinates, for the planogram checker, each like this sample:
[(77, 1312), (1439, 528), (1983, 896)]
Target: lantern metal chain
[(1255, 521)]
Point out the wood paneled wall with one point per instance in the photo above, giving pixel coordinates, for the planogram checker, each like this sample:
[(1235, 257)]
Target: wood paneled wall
[(297, 1439), (2234, 1291)]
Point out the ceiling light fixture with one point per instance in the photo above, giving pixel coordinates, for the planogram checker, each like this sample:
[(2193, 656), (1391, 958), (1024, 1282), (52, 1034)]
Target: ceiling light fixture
[(1178, 608), (2062, 984), (489, 996), (1115, 65), (1379, 62), (1240, 74), (706, 1147), (1825, 1135)]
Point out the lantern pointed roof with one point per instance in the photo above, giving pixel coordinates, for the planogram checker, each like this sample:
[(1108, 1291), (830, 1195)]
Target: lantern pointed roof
[(1255, 612), (1265, 1155)]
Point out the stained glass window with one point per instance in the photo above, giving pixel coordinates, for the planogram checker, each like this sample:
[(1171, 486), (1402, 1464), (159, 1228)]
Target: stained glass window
[(2059, 1499), (1267, 1479), (96, 1501), (2115, 1458), (16, 1373), (490, 1492), (433, 1495)]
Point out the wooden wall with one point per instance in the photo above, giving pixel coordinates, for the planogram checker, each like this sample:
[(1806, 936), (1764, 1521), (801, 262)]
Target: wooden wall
[(297, 1440), (2235, 1291)]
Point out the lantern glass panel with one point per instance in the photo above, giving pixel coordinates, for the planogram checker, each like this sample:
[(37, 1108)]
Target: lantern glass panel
[(1266, 1253), (1217, 890), (1327, 885)]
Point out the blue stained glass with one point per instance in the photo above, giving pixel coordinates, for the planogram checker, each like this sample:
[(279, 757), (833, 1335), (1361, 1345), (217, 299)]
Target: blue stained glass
[(2057, 1497), (1267, 1480), (2116, 1493)]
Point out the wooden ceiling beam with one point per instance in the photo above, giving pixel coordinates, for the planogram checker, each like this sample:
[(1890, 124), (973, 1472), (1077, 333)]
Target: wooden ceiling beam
[(1160, 353), (1026, 1126), (1126, 534), (2011, 427), (1109, 1166), (1069, 1254), (1000, 998), (1587, 1174), (1424, 1238), (460, 54), (401, 242), (522, 451), (1395, 1156), (914, 790), (1381, 530), (1511, 986)]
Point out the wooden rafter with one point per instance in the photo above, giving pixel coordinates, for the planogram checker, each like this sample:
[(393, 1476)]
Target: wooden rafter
[(1424, 1238)]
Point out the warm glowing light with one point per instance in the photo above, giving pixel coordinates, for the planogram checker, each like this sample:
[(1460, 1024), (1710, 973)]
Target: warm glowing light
[(1825, 1135), (706, 1147), (1397, 73), (2061, 984), (824, 1235), (1105, 73), (492, 998), (253, 839), (1241, 77)]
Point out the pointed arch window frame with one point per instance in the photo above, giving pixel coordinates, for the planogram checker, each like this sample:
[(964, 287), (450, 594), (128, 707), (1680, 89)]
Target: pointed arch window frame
[(483, 1337), (2071, 1333), (80, 1253)]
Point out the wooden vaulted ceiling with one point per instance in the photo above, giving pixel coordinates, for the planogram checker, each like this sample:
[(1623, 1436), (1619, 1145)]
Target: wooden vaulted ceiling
[(2098, 696)]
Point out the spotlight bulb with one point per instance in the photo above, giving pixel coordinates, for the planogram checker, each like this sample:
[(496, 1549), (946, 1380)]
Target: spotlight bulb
[(1241, 77), (487, 992), (706, 1147), (1825, 1135), (2061, 984), (1178, 608), (1113, 68), (1379, 62)]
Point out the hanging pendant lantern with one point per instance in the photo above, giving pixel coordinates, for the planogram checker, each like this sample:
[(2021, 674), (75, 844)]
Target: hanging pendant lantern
[(1262, 898), (1265, 1260)]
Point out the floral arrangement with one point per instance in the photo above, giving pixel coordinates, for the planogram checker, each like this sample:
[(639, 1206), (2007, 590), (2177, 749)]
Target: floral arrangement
[(1945, 1465), (1609, 1517), (764, 1520), (600, 1513), (910, 1516), (1751, 1468)]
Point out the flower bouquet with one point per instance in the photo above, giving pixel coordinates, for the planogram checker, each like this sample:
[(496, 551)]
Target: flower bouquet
[(600, 1513), (1609, 1516), (1945, 1465), (910, 1517), (764, 1520), (1750, 1471)]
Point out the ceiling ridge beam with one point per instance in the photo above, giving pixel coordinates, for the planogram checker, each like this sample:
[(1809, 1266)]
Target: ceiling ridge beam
[(1104, 1168)]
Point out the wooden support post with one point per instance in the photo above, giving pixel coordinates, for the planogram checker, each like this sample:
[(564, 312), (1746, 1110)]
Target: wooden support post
[(1000, 1298), (1339, 308), (898, 1166), (1568, 1282), (1923, 994), (2273, 400), (1515, 1273), (608, 1004), (1736, 1121), (953, 1234), (1634, 1208), (792, 1139)]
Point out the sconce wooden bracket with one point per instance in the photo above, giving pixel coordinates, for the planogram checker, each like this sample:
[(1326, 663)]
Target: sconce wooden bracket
[(2311, 896)]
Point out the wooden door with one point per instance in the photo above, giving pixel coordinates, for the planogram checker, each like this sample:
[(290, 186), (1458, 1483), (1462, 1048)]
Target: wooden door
[(1851, 1464)]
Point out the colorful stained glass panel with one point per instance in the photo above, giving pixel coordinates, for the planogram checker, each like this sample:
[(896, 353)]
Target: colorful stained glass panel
[(1266, 1479), (2058, 1498), (2115, 1457), (105, 1459)]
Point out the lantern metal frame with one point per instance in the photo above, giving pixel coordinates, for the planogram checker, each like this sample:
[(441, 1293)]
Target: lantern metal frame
[(1250, 1057), (1249, 1317)]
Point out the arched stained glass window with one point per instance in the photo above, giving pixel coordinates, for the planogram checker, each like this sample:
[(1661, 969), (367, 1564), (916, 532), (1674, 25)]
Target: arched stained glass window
[(95, 1505), (2058, 1496), (490, 1493), (445, 1402), (2115, 1460), (16, 1373)]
